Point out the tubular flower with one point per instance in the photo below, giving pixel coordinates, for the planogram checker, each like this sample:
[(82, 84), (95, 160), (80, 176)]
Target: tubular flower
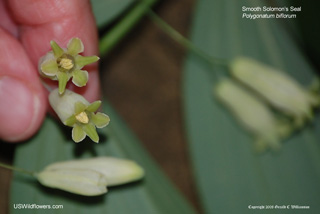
[(75, 111), (252, 114), (279, 89), (62, 64), (116, 171), (89, 177)]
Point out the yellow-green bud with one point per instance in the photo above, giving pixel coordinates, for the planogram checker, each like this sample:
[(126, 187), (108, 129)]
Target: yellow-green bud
[(89, 177), (117, 171), (85, 182)]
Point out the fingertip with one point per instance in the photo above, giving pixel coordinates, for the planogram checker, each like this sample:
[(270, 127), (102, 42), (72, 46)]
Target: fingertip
[(22, 99), (36, 12), (55, 20), (21, 111)]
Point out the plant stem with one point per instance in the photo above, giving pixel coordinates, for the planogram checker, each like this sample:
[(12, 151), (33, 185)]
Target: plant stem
[(17, 169), (184, 42), (108, 41)]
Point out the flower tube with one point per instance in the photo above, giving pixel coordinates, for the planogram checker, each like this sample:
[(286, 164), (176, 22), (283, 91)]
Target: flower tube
[(75, 111)]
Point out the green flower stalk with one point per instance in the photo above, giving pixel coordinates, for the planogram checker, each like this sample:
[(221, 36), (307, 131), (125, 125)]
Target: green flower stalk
[(61, 64), (253, 115), (277, 88), (75, 111)]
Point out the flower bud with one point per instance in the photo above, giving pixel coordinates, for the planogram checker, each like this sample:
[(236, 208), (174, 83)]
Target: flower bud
[(252, 114), (116, 171), (279, 89), (64, 105), (89, 177), (85, 182)]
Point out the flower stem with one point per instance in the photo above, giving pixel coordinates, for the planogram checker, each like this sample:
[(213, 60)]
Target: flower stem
[(108, 41), (17, 169), (184, 42)]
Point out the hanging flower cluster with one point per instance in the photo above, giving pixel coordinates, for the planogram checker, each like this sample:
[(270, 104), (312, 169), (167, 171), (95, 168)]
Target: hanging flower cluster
[(87, 177), (257, 87), (74, 110)]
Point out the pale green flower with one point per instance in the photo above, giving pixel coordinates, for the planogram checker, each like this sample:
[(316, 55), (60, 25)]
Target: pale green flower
[(62, 64), (89, 177), (252, 114), (278, 88), (75, 111)]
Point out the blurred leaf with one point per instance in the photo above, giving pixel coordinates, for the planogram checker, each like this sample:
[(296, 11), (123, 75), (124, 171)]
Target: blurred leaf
[(107, 10), (229, 175), (154, 194), (309, 27)]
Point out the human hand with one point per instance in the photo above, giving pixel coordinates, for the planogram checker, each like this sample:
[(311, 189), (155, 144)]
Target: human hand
[(26, 29)]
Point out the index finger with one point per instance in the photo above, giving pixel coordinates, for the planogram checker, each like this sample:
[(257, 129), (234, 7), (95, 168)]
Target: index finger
[(44, 20)]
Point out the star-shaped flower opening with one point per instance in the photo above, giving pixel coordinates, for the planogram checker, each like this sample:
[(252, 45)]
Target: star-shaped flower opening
[(62, 64), (84, 121), (75, 111)]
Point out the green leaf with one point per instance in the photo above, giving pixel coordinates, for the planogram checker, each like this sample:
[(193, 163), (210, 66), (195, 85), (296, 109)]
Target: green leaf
[(106, 11), (154, 194), (229, 175)]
